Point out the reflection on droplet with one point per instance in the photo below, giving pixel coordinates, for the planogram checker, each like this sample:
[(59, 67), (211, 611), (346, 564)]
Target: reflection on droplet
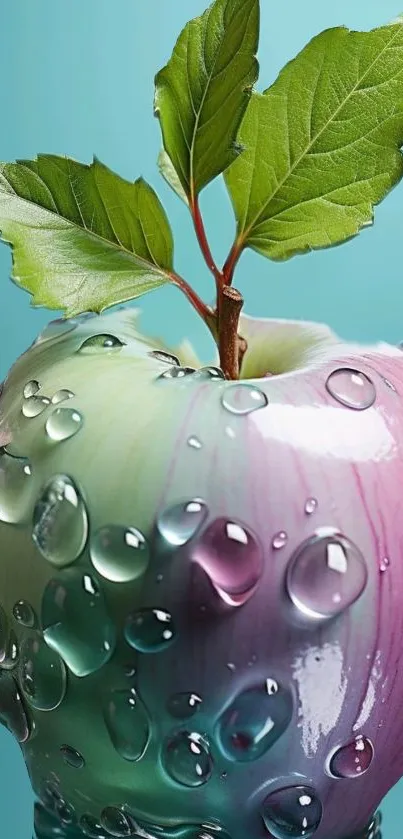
[(119, 554), (127, 723), (149, 630), (61, 396), (15, 487), (60, 523), (351, 388), (117, 822), (254, 721), (183, 705), (63, 423), (177, 373), (243, 399), (42, 675), (34, 405), (186, 758), (326, 575), (24, 613), (179, 523), (353, 759), (165, 356), (72, 757), (194, 443), (31, 388), (12, 710), (231, 557), (279, 540), (292, 812)]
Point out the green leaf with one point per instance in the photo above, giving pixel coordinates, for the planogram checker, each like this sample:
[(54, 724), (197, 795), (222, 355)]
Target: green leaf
[(168, 172), (83, 238), (323, 144), (202, 93)]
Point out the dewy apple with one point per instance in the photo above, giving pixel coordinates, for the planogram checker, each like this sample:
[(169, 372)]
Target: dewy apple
[(201, 564)]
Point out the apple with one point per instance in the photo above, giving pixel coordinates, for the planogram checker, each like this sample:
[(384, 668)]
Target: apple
[(200, 582)]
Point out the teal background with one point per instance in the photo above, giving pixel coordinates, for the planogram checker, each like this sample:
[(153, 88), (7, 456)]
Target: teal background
[(77, 79)]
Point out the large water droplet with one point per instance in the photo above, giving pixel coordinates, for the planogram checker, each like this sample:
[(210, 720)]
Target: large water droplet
[(72, 757), (210, 373), (24, 613), (186, 758), (117, 822), (76, 622), (56, 328), (292, 812), (149, 630), (63, 423), (243, 399), (12, 709), (180, 522), (119, 554), (42, 675), (127, 723), (92, 828), (183, 705), (353, 759), (351, 388), (60, 525), (15, 487), (232, 559), (255, 719), (61, 396), (177, 373), (31, 388), (34, 406), (326, 575), (165, 356)]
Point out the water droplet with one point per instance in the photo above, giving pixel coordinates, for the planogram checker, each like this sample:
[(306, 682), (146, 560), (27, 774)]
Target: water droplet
[(61, 396), (183, 705), (384, 564), (389, 384), (232, 559), (65, 812), (117, 822), (72, 757), (31, 388), (100, 344), (42, 675), (76, 622), (351, 388), (311, 505), (243, 399), (56, 328), (279, 540), (47, 825), (177, 373), (195, 443), (15, 487), (231, 666), (180, 522), (63, 423), (4, 631), (352, 760), (149, 630), (165, 356), (127, 723), (186, 758), (24, 613), (326, 575), (255, 720), (12, 709), (60, 523), (34, 405), (11, 652), (92, 828), (292, 812), (210, 373), (119, 554)]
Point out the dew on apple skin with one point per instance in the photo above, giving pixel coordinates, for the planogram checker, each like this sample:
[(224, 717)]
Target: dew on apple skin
[(100, 344), (24, 613), (254, 721), (293, 812), (183, 705), (61, 396), (15, 487), (149, 630), (42, 675), (34, 406), (195, 443), (326, 575), (353, 759), (279, 540), (76, 621), (116, 822), (242, 399), (177, 373), (60, 521), (63, 423), (92, 828), (311, 505), (186, 758), (351, 388), (179, 523), (127, 723), (231, 557), (31, 388), (72, 757), (120, 554), (165, 356), (12, 708)]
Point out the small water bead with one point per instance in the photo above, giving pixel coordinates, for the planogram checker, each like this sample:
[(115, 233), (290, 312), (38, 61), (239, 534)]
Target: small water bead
[(56, 328), (4, 631), (12, 709), (72, 757), (254, 721), (183, 705), (243, 399), (186, 758), (117, 822), (76, 622), (149, 630), (119, 554), (15, 487), (102, 343), (65, 812), (92, 828), (61, 396), (165, 356), (292, 812), (195, 443), (351, 388), (389, 384), (353, 759), (34, 406), (210, 373), (326, 575), (231, 557), (11, 652), (279, 540), (42, 674), (63, 423), (24, 613), (311, 505), (180, 522), (177, 373), (127, 723), (60, 522), (384, 564), (31, 388)]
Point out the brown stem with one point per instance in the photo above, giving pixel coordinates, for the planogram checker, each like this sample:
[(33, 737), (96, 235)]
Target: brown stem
[(204, 245), (230, 306), (232, 259), (205, 312)]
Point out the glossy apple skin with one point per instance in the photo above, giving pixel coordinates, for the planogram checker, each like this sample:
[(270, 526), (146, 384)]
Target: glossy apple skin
[(297, 467)]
